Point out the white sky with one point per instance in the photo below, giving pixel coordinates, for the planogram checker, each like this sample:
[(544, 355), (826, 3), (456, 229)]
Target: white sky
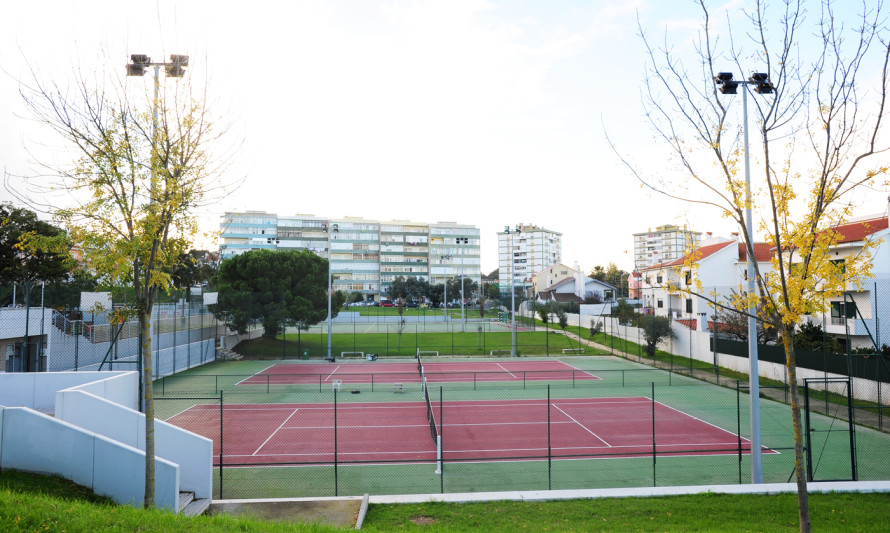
[(482, 112)]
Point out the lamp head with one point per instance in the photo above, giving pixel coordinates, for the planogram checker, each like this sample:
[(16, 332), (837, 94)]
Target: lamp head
[(722, 77), (729, 87), (134, 69)]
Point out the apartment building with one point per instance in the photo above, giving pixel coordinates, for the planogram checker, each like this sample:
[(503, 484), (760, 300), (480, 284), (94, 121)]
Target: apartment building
[(525, 253), (366, 255), (665, 243)]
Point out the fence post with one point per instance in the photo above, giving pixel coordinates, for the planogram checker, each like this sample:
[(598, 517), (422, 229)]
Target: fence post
[(336, 480), (221, 434), (549, 445), (440, 447), (654, 452), (738, 423)]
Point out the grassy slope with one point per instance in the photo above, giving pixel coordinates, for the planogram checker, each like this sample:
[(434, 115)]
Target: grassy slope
[(38, 503)]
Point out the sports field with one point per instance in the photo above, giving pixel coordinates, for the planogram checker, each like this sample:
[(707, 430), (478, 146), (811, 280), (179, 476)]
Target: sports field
[(300, 428)]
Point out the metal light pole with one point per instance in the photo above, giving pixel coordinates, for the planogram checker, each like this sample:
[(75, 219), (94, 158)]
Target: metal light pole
[(445, 287), (174, 69), (461, 276), (762, 85), (330, 288), (512, 291)]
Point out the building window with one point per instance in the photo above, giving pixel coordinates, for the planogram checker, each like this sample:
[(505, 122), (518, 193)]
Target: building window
[(688, 277), (688, 305), (658, 279), (660, 303)]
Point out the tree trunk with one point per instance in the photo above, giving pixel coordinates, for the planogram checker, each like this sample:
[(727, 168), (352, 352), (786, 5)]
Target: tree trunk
[(803, 503), (149, 408)]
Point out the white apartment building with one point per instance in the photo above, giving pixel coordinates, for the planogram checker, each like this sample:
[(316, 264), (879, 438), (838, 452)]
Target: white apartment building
[(665, 243), (526, 253), (366, 255)]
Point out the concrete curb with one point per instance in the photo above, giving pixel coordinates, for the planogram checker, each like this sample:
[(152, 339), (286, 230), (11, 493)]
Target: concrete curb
[(363, 510), (636, 492)]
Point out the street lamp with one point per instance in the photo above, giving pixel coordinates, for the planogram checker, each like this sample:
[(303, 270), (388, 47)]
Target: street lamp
[(762, 85), (334, 229), (512, 232), (446, 257), (174, 69)]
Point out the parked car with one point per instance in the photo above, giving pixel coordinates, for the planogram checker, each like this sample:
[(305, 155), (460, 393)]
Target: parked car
[(373, 304), (387, 304), (412, 304)]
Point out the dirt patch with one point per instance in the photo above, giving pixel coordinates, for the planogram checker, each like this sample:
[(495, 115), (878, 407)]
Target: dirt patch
[(423, 520)]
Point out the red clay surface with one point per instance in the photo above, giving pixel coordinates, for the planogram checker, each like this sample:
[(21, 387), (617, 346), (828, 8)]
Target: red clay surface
[(472, 430), (284, 374)]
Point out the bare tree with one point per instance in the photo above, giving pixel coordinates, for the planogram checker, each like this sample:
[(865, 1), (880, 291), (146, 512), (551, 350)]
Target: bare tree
[(819, 113), (141, 163)]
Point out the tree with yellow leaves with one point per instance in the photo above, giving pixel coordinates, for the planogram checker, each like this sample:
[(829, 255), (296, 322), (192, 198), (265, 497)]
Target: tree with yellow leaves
[(139, 169), (819, 94)]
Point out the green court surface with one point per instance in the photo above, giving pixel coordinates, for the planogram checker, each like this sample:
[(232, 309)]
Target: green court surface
[(222, 386)]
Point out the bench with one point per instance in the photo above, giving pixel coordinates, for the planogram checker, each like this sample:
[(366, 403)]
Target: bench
[(398, 387), (500, 352), (359, 354), (573, 350), (428, 352)]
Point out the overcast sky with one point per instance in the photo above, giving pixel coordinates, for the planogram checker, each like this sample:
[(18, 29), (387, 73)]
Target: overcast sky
[(489, 113)]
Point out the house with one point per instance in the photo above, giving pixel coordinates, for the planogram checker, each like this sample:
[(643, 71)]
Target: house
[(859, 313), (719, 270), (561, 283)]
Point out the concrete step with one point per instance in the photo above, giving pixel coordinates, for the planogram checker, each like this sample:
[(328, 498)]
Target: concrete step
[(197, 507), (185, 498)]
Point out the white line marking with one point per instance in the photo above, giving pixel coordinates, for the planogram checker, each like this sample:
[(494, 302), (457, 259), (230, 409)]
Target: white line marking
[(580, 370), (582, 426), (255, 374), (507, 371), (332, 373), (274, 432)]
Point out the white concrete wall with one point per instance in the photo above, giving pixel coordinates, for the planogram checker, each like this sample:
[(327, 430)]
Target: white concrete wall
[(696, 345), (35, 442), (37, 390), (192, 452)]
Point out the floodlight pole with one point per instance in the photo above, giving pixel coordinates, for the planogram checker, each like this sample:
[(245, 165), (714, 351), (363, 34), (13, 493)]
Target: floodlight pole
[(445, 287), (137, 68), (764, 87), (329, 231), (512, 292), (753, 370)]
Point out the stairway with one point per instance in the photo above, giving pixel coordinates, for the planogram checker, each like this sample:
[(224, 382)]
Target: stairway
[(190, 506)]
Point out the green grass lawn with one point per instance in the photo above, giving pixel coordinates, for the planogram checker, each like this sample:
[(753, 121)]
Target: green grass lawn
[(29, 502), (406, 344)]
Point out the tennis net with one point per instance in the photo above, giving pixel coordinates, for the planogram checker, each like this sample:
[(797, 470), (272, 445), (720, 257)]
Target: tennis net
[(430, 414)]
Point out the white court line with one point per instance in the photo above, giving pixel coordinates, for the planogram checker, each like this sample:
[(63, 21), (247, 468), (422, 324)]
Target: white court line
[(582, 426), (256, 374), (332, 373), (276, 431), (507, 371), (589, 373)]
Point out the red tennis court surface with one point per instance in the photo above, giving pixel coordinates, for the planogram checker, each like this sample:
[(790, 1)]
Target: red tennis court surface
[(472, 430), (284, 374)]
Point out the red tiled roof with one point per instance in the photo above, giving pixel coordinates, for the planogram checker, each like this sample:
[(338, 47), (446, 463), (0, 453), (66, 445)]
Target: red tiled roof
[(857, 231), (762, 252), (699, 254)]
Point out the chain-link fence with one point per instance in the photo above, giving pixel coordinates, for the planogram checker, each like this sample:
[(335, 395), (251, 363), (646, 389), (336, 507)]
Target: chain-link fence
[(614, 424), (38, 335)]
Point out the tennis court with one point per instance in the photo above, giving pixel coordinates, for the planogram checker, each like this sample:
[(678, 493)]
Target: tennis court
[(429, 424), (580, 428), (436, 372)]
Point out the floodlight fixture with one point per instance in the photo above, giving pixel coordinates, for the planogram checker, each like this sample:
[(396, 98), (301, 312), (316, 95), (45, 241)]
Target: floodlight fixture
[(729, 87), (761, 83), (179, 59), (723, 77), (140, 59), (135, 69), (174, 71)]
